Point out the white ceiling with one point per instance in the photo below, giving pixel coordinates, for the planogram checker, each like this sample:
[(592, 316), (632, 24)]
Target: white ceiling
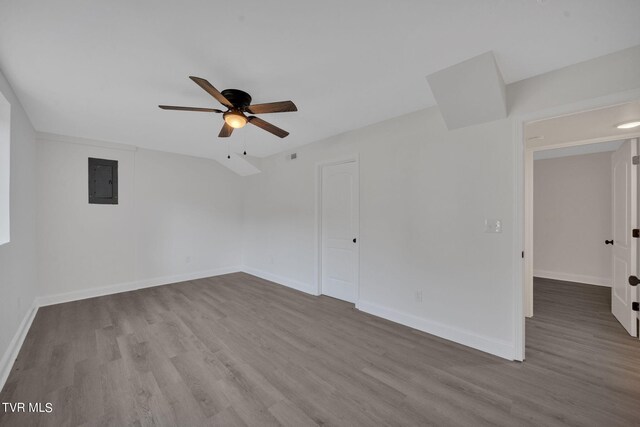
[(98, 69), (593, 125)]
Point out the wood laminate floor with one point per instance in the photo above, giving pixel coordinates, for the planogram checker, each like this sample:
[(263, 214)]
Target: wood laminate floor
[(237, 350)]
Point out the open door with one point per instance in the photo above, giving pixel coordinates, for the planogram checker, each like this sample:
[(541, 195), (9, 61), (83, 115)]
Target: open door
[(624, 216)]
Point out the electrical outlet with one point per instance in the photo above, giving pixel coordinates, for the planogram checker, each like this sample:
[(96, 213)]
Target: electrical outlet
[(187, 260), (419, 296)]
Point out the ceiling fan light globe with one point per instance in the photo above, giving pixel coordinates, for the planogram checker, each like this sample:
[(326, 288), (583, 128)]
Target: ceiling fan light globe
[(235, 119)]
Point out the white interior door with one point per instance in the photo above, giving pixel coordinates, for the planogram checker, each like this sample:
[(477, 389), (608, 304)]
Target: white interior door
[(339, 231), (624, 246)]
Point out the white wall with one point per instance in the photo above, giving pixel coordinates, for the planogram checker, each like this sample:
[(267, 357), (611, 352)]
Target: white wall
[(600, 77), (178, 217), (5, 168), (424, 195), (18, 257), (572, 218)]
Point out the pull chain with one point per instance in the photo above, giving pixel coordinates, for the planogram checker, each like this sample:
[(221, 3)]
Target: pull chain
[(244, 143)]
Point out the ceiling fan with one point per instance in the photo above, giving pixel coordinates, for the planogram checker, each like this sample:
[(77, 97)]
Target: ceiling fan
[(238, 103)]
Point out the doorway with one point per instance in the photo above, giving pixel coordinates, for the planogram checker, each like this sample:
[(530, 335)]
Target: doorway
[(572, 214), (581, 134), (339, 223), (583, 217)]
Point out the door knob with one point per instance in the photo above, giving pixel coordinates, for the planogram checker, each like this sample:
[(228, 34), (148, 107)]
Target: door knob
[(608, 242), (633, 280), (354, 240)]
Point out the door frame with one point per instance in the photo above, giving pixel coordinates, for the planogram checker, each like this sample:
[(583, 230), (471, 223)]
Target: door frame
[(521, 238), (354, 158)]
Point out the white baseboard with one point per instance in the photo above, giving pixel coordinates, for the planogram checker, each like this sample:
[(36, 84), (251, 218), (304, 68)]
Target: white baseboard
[(568, 277), (489, 345), (9, 356), (131, 286), (460, 336), (285, 281)]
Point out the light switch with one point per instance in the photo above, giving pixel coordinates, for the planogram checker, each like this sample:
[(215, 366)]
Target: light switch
[(493, 226)]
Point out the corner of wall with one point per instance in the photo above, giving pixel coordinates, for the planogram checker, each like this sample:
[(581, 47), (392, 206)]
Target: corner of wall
[(11, 353), (307, 288)]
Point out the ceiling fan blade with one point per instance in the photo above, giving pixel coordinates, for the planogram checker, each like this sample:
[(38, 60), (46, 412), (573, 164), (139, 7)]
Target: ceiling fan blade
[(267, 126), (204, 84), (272, 107), (205, 110), (226, 131)]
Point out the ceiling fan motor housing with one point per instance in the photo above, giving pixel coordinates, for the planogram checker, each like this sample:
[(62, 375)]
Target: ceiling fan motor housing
[(240, 99)]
